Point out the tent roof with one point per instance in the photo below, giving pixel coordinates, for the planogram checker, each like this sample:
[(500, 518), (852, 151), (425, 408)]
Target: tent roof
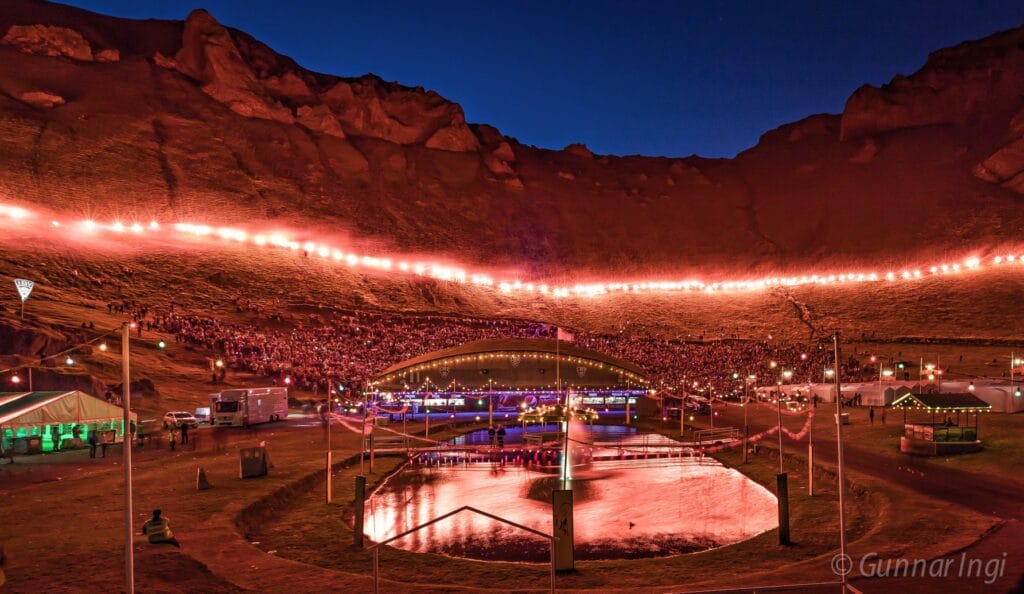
[(38, 408), (511, 345), (941, 402)]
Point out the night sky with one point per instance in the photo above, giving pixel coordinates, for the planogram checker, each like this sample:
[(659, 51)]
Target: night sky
[(656, 78)]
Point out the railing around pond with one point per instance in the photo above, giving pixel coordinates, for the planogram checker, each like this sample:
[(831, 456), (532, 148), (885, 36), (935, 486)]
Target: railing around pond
[(376, 548), (710, 437)]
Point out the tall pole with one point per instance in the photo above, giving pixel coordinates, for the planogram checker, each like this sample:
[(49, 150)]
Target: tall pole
[(920, 377), (746, 406), (129, 532), (810, 454), (711, 404), (29, 379), (327, 477), (565, 409), (490, 402), (682, 413), (373, 425), (779, 401), (558, 362), (839, 459), (362, 435)]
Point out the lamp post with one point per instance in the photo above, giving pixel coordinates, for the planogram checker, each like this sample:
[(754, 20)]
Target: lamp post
[(327, 480), (746, 404), (129, 532), (786, 375), (839, 459), (711, 405), (490, 402)]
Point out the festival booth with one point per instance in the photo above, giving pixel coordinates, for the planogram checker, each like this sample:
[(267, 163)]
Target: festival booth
[(35, 422), (939, 434)]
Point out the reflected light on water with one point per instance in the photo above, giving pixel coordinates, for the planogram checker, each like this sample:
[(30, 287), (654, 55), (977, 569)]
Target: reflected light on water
[(627, 509)]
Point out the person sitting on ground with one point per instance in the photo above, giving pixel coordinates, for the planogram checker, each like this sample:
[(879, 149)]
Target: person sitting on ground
[(158, 529)]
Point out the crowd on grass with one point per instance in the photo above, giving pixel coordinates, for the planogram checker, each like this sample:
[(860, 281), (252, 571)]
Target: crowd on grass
[(351, 347)]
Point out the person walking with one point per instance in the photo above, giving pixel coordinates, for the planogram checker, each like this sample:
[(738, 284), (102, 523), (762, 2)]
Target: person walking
[(871, 415), (184, 433), (501, 437), (172, 439), (883, 415), (158, 529), (490, 435), (93, 442)]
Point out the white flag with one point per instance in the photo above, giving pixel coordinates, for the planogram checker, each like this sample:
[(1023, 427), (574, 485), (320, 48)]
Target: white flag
[(24, 287)]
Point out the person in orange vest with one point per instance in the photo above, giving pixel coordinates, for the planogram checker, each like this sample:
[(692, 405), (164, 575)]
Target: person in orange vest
[(158, 529), (172, 439)]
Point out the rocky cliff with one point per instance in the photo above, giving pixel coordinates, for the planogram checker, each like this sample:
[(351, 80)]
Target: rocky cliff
[(195, 120)]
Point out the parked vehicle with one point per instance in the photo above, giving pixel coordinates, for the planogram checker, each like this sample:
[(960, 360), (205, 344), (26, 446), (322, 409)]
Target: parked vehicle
[(179, 418), (244, 407), (203, 414)]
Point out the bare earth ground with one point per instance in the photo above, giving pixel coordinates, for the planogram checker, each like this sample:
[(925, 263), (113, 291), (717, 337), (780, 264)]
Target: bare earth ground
[(221, 552)]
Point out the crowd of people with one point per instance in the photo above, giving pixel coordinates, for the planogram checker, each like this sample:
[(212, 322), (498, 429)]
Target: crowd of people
[(349, 348)]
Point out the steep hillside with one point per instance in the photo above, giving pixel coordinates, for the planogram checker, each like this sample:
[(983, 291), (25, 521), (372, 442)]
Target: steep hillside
[(197, 121)]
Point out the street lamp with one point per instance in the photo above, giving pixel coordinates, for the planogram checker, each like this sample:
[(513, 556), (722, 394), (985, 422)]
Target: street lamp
[(787, 374), (751, 378)]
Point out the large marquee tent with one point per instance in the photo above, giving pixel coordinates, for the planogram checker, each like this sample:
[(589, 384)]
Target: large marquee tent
[(45, 421)]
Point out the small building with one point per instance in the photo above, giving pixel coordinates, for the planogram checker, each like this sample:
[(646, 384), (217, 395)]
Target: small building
[(34, 422), (940, 433)]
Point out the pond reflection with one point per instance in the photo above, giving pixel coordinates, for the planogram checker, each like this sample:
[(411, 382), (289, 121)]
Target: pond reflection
[(623, 509)]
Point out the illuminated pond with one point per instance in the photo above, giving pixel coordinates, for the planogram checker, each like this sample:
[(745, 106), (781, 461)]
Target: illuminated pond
[(623, 508)]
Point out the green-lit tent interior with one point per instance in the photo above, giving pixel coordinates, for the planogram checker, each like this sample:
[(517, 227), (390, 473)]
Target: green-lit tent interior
[(32, 422)]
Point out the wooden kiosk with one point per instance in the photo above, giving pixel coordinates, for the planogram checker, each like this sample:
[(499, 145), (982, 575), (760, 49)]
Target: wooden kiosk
[(941, 433)]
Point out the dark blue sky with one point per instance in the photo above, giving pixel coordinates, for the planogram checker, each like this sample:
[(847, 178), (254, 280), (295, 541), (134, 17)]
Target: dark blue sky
[(657, 78)]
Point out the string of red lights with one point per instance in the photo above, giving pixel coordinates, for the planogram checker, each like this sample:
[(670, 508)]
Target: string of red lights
[(21, 216)]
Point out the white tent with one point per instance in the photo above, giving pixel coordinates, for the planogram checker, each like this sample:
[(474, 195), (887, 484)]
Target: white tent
[(44, 416), (997, 392)]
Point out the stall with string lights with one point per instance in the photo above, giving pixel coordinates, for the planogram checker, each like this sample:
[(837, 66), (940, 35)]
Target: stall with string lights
[(942, 434)]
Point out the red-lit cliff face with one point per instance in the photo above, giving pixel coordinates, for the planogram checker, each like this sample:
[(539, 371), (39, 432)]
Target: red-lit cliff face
[(197, 121)]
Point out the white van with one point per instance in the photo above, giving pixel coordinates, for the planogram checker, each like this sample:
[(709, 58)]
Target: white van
[(243, 407)]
